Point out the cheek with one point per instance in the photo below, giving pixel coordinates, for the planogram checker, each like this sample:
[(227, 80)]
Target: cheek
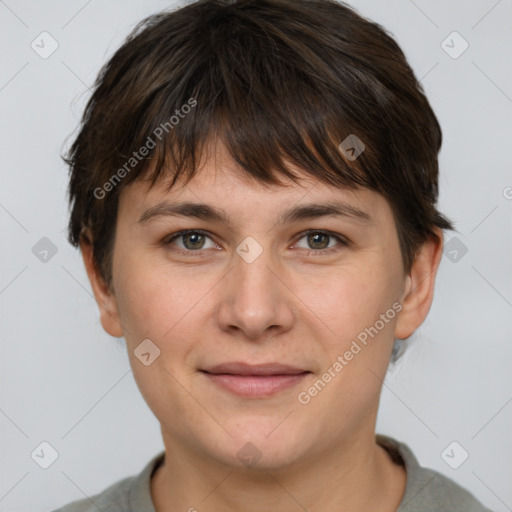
[(160, 303), (350, 300), (163, 308)]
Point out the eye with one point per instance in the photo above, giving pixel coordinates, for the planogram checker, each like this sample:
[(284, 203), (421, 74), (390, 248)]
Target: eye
[(319, 241), (193, 240)]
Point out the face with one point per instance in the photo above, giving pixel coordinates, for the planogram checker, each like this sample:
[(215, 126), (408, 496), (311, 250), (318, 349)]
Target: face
[(302, 308)]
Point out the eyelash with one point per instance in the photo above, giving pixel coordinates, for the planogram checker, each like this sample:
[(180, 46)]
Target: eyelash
[(342, 241)]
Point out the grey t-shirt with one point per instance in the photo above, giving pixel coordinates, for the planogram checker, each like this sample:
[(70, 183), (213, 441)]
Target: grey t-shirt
[(426, 490)]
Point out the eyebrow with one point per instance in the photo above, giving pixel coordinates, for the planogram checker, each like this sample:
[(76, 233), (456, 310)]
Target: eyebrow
[(206, 212)]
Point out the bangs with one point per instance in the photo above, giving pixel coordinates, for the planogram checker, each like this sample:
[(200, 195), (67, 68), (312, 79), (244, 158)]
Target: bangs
[(262, 143)]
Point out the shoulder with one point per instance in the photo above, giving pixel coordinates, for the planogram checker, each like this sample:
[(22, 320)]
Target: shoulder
[(126, 495), (435, 490), (426, 489), (114, 498)]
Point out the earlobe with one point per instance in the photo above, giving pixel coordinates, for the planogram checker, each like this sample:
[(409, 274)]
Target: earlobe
[(104, 296), (419, 287)]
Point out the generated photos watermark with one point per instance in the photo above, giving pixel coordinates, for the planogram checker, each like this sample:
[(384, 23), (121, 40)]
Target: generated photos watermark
[(143, 151), (304, 397)]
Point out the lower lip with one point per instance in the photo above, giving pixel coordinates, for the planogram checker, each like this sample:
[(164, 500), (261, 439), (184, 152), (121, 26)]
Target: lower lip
[(255, 386)]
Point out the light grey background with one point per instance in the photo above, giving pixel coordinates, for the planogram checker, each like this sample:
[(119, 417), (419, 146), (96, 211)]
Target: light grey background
[(66, 382)]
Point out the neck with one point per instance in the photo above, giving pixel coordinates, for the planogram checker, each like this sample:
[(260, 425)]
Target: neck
[(357, 474)]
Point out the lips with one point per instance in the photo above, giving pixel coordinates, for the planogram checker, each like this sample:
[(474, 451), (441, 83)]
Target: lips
[(255, 381), (240, 368)]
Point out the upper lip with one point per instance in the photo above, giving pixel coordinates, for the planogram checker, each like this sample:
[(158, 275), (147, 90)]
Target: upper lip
[(240, 368)]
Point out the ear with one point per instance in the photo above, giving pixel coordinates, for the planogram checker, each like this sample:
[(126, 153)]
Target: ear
[(105, 298), (419, 287)]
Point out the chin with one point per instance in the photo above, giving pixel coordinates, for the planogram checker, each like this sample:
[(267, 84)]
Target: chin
[(262, 443)]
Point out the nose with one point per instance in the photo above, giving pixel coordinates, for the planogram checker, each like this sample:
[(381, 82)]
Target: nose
[(256, 301)]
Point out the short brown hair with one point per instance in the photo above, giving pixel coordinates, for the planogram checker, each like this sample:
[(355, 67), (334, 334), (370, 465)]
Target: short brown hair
[(274, 80)]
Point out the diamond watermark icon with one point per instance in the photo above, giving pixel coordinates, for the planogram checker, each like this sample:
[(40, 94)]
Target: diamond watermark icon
[(454, 249), (44, 250), (454, 45), (454, 455), (44, 455), (146, 352), (249, 250), (44, 45), (352, 147), (249, 455)]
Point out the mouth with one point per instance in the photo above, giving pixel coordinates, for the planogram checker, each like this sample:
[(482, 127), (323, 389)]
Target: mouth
[(255, 381)]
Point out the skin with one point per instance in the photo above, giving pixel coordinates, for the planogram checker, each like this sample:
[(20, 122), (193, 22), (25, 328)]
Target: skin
[(291, 305)]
